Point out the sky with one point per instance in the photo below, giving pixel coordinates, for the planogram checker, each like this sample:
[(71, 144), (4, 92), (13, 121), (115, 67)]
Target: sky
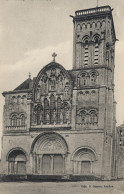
[(31, 30)]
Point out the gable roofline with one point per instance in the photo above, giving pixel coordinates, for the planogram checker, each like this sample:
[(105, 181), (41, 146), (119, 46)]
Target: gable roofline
[(54, 64)]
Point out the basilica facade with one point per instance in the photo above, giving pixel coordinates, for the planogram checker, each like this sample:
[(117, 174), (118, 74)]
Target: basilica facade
[(62, 122)]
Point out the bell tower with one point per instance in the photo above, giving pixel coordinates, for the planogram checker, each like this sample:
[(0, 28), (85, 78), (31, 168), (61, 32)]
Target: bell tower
[(94, 38), (93, 64)]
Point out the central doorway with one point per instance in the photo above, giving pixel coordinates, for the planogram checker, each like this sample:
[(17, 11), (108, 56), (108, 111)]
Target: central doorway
[(53, 164), (49, 151)]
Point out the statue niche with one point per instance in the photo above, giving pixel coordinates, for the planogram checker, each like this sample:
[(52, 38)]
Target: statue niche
[(52, 80), (38, 114), (67, 91), (60, 82)]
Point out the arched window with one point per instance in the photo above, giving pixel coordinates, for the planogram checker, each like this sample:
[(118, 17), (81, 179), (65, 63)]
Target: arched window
[(58, 109), (86, 52), (78, 28), (93, 116), (18, 99), (52, 109), (24, 99), (38, 115), (14, 120), (96, 51), (46, 111), (93, 78), (14, 100), (22, 119), (66, 113), (82, 79), (82, 117)]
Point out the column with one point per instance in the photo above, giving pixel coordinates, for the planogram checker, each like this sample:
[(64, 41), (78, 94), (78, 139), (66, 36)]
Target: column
[(52, 170), (63, 163), (75, 167), (37, 163), (79, 167), (15, 168), (28, 113), (72, 162), (41, 163), (8, 164), (34, 162), (91, 170)]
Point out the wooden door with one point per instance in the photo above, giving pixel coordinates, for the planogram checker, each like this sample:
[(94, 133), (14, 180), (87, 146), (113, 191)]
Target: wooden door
[(58, 166), (46, 164), (85, 167), (21, 167)]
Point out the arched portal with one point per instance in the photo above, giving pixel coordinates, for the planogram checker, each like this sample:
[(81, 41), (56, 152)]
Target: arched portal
[(16, 161), (83, 159), (49, 151)]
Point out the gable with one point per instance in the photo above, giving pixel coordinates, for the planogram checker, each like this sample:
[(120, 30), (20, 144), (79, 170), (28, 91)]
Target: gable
[(53, 78)]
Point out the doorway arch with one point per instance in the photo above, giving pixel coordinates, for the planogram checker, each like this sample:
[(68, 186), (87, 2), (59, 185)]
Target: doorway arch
[(16, 161), (49, 151), (83, 159)]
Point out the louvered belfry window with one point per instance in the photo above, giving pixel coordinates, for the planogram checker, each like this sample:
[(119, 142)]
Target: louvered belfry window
[(86, 52), (96, 52)]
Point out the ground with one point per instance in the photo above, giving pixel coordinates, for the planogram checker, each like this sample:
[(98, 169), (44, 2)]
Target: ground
[(95, 187)]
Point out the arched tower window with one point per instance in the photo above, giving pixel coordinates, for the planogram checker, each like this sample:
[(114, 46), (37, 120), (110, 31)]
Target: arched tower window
[(14, 121), (93, 116), (82, 79), (86, 52), (22, 117), (93, 78), (83, 116), (96, 51)]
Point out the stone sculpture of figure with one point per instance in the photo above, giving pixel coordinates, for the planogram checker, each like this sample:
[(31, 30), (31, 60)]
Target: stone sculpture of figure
[(52, 83), (67, 92)]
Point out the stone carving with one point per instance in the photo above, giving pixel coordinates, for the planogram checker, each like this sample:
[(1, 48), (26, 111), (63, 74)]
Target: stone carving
[(52, 146), (52, 90)]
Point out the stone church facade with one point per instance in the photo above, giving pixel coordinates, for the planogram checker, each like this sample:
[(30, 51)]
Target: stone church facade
[(63, 121)]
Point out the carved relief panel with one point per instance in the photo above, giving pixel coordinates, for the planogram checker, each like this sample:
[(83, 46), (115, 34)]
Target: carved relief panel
[(52, 97)]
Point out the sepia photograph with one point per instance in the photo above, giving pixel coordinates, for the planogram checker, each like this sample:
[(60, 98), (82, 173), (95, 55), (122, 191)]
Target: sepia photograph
[(61, 97)]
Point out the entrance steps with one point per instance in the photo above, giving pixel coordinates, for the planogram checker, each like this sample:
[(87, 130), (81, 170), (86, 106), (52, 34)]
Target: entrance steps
[(47, 178)]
